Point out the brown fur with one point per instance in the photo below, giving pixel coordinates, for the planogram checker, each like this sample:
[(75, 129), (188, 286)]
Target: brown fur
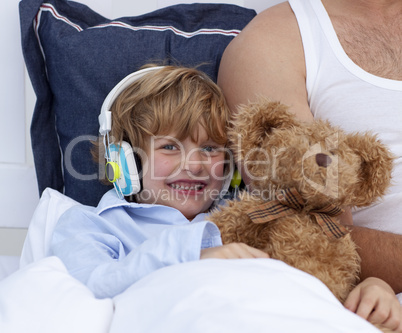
[(359, 174)]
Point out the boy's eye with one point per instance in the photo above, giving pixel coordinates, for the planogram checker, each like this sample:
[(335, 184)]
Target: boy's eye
[(208, 149), (169, 147), (211, 150)]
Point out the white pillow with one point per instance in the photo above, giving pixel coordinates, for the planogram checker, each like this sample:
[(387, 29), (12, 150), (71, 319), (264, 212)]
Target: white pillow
[(44, 298), (51, 206), (8, 265)]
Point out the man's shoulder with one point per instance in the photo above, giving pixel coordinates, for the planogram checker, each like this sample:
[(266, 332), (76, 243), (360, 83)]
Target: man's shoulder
[(279, 21), (265, 59), (272, 36)]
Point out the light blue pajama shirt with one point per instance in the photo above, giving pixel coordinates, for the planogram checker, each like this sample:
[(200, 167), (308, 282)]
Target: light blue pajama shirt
[(113, 245)]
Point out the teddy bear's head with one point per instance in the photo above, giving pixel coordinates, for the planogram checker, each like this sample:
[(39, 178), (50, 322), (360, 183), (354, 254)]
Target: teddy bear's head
[(325, 164)]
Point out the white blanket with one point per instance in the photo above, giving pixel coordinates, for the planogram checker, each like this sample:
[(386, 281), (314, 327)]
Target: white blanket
[(232, 296), (260, 295), (44, 298)]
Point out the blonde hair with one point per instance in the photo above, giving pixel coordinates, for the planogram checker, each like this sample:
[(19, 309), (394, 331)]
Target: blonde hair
[(171, 99)]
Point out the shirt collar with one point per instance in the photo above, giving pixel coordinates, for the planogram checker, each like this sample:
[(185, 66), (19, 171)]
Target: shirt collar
[(111, 200)]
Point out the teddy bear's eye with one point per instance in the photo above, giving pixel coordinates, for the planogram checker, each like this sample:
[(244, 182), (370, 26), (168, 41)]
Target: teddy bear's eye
[(323, 160)]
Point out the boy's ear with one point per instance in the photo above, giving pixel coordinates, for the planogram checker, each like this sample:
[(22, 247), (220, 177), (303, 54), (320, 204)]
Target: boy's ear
[(375, 169), (252, 124)]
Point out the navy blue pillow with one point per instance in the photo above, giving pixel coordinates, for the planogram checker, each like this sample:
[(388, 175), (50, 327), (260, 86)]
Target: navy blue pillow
[(75, 56)]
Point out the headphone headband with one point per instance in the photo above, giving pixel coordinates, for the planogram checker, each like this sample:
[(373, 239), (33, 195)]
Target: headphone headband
[(105, 117)]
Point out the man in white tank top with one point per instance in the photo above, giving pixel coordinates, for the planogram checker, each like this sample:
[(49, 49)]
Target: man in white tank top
[(339, 60)]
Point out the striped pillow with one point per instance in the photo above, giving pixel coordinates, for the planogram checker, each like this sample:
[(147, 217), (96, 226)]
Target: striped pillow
[(75, 56)]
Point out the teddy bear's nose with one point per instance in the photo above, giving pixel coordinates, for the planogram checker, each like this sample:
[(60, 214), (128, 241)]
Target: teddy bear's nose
[(323, 160)]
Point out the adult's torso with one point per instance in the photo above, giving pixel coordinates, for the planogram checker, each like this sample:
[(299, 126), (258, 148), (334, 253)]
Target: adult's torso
[(356, 83)]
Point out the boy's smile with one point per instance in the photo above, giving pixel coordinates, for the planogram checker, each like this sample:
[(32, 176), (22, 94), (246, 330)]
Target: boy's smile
[(184, 174), (187, 186)]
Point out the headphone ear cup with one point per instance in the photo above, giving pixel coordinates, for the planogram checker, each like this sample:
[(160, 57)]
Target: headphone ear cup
[(112, 171), (129, 180)]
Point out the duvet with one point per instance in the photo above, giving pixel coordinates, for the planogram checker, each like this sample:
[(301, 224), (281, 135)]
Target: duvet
[(256, 295)]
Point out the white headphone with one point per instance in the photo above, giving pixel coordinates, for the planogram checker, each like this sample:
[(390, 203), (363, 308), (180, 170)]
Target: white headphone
[(123, 166)]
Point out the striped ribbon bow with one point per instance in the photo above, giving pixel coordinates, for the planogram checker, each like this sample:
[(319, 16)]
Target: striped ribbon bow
[(289, 201)]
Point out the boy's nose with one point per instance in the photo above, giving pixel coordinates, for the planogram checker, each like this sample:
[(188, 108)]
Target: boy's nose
[(193, 163)]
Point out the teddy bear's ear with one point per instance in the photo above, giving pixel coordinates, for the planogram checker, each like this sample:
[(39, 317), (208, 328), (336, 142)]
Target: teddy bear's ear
[(253, 123), (375, 169)]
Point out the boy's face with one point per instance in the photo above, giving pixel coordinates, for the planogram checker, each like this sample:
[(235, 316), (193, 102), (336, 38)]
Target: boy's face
[(185, 175)]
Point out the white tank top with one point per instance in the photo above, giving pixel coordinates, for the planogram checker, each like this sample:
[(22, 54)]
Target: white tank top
[(350, 97)]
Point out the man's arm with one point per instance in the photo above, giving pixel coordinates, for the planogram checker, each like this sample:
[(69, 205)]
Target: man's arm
[(267, 59), (381, 254)]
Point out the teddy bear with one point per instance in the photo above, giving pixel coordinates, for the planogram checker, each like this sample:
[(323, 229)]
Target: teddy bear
[(302, 177)]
